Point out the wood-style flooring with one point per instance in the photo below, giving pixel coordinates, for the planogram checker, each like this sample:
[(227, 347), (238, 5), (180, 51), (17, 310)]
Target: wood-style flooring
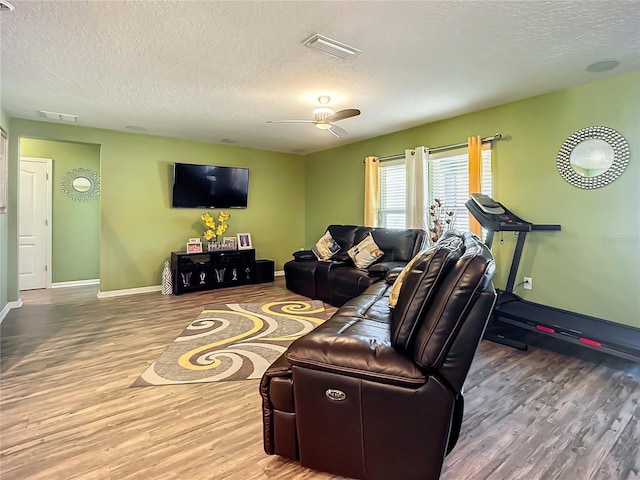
[(67, 410)]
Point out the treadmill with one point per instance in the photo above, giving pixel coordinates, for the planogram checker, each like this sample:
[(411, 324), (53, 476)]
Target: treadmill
[(591, 332)]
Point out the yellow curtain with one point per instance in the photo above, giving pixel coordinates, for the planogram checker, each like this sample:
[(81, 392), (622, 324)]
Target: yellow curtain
[(371, 191), (475, 177)]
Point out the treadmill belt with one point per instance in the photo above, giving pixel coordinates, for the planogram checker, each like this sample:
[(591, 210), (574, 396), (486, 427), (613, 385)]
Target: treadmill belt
[(614, 335)]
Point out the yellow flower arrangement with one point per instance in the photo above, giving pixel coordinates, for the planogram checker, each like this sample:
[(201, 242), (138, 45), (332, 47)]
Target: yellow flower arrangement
[(215, 228)]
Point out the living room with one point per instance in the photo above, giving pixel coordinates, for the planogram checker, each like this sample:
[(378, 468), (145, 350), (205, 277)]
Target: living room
[(293, 197)]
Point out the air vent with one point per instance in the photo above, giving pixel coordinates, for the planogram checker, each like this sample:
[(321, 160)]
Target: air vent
[(330, 47), (58, 116)]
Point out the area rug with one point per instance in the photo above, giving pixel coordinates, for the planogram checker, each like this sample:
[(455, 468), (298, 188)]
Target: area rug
[(233, 342)]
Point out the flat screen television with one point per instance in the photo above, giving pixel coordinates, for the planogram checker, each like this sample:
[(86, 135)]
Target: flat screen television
[(209, 186)]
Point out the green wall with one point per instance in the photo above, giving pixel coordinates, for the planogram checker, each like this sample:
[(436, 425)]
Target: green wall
[(592, 266), (75, 225), (138, 227)]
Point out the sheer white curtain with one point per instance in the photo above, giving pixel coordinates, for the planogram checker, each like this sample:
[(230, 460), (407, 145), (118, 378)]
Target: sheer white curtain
[(416, 167)]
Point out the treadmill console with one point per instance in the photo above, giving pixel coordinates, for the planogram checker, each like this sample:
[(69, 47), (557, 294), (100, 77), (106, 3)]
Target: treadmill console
[(486, 203), (493, 216)]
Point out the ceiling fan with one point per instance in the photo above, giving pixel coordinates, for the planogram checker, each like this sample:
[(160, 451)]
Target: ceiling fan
[(325, 117)]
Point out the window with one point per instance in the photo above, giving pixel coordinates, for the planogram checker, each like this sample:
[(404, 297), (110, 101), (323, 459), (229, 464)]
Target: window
[(393, 187), (447, 180)]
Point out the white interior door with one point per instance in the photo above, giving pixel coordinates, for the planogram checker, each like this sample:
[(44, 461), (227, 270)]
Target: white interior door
[(34, 229)]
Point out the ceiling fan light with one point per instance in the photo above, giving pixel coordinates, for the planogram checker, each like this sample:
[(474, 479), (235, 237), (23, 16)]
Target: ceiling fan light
[(323, 110), (323, 126)]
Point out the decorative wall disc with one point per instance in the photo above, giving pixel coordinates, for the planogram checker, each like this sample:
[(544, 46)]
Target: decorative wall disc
[(593, 157), (81, 184)]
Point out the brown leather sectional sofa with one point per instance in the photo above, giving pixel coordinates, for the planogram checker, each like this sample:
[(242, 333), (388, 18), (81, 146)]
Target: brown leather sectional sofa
[(376, 393), (338, 280)]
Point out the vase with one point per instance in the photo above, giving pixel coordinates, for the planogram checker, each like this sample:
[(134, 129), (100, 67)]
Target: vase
[(167, 283)]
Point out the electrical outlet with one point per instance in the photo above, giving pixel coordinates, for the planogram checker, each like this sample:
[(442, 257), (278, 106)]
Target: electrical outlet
[(528, 283)]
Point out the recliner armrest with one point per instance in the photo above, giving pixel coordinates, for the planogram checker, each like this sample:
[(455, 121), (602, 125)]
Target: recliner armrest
[(304, 255), (365, 352)]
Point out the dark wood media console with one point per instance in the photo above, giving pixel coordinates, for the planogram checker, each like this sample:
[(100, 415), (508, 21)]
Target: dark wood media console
[(192, 272)]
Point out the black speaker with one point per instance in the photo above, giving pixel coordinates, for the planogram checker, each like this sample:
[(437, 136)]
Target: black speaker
[(265, 271)]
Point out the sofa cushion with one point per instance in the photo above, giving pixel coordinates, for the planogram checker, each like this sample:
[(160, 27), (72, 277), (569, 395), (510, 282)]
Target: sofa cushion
[(420, 285), (326, 247), (365, 253), (359, 348), (398, 245), (397, 283), (304, 255)]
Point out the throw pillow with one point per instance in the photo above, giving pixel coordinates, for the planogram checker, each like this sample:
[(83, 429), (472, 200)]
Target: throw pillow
[(397, 285), (326, 247), (365, 253)]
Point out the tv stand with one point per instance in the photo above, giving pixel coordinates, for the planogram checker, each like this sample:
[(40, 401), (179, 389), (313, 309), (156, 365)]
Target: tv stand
[(193, 272)]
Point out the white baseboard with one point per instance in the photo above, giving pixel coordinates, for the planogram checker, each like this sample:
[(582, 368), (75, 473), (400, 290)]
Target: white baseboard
[(76, 283), (279, 273), (10, 305), (129, 291)]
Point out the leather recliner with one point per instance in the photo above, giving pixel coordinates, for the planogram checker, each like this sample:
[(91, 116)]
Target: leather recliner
[(338, 280), (374, 392)]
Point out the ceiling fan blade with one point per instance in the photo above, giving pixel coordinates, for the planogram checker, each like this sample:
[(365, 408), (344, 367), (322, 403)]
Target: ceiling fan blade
[(338, 131), (342, 114), (290, 121)]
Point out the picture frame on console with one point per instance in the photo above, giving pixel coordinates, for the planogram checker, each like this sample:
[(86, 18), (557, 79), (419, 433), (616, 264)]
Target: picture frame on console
[(230, 242), (194, 247), (244, 241)]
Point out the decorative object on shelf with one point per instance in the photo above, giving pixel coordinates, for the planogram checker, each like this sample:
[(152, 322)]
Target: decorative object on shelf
[(234, 274), (203, 277), (215, 228), (244, 241), (440, 219), (220, 274), (593, 157), (167, 282), (81, 184), (186, 279), (194, 247), (230, 242)]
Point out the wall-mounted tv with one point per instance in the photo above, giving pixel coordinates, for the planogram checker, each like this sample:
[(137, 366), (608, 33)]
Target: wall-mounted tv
[(209, 186)]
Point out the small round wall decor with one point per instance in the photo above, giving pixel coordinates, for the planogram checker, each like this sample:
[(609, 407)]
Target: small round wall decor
[(81, 184), (593, 157)]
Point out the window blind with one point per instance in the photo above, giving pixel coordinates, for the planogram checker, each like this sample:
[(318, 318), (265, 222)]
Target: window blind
[(447, 180), (393, 186)]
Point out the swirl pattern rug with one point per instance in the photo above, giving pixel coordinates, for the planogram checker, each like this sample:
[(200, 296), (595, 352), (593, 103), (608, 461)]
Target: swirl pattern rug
[(233, 342)]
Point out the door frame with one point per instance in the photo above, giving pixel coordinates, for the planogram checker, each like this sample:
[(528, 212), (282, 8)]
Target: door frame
[(49, 211)]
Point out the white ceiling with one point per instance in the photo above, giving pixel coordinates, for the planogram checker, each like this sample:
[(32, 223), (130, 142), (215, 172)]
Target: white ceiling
[(218, 70)]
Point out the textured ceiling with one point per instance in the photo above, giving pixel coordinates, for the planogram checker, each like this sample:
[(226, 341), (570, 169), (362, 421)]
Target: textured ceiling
[(217, 71)]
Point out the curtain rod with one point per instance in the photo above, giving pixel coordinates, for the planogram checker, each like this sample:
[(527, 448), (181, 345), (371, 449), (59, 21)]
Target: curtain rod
[(497, 136)]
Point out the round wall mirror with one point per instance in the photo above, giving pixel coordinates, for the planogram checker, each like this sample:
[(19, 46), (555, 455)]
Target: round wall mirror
[(81, 184), (593, 157)]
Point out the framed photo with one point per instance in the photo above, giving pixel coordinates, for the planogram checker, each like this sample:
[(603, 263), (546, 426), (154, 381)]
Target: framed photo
[(230, 241), (244, 241), (194, 247), (4, 173)]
